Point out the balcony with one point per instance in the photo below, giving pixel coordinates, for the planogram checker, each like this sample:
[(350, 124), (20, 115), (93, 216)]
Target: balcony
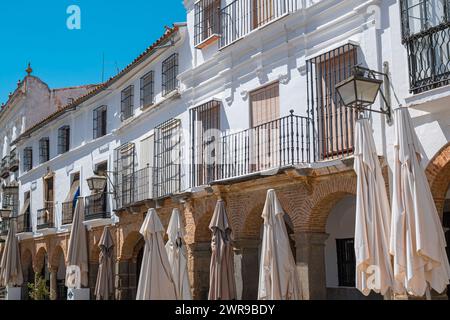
[(135, 188), (4, 167), (45, 217), (243, 16), (13, 161), (24, 223), (96, 207)]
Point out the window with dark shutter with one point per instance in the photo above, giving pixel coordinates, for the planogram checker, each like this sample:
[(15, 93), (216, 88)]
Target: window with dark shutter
[(27, 159), (127, 103), (207, 21), (63, 139), (44, 150), (169, 74), (100, 121), (147, 89)]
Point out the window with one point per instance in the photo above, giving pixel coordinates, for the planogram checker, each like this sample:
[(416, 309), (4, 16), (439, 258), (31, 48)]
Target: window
[(333, 124), (346, 262), (205, 126), (169, 74), (265, 105), (147, 89), (264, 12), (127, 102), (426, 35), (27, 159), (100, 120), (167, 158), (124, 169), (44, 150), (206, 21), (63, 139)]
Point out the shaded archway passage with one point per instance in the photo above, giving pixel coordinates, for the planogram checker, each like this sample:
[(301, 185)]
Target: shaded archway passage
[(129, 266), (41, 266)]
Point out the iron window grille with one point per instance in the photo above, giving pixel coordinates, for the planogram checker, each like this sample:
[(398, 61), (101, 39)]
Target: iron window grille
[(169, 74), (27, 159), (127, 103), (205, 135), (167, 159), (333, 124), (44, 150), (207, 20), (100, 122), (426, 35), (147, 89), (63, 139)]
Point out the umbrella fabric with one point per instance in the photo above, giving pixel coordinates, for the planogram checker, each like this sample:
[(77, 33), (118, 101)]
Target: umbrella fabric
[(78, 250), (278, 279), (222, 285), (10, 265), (155, 280), (372, 228), (417, 237), (104, 286), (176, 251)]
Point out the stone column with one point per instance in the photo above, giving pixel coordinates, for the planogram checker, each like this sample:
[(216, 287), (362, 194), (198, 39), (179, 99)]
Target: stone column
[(53, 283), (199, 259), (310, 249), (121, 280), (246, 268)]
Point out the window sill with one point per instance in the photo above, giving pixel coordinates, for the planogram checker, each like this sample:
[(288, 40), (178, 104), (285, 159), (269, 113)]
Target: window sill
[(208, 41)]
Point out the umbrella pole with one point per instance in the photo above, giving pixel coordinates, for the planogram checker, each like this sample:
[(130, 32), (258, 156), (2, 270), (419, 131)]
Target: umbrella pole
[(428, 292)]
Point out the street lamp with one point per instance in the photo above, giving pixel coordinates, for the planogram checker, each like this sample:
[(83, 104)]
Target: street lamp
[(96, 183), (361, 90)]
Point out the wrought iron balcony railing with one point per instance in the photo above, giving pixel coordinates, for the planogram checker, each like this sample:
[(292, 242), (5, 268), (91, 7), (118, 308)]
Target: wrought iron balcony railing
[(243, 16), (135, 188), (96, 207), (45, 217), (68, 210), (24, 223)]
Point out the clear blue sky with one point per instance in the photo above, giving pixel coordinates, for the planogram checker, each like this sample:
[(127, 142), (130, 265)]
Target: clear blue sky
[(36, 31)]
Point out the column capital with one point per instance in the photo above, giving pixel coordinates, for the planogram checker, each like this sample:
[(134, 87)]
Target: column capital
[(246, 243)]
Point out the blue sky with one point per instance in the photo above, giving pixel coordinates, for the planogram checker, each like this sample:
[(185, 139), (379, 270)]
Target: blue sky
[(36, 31)]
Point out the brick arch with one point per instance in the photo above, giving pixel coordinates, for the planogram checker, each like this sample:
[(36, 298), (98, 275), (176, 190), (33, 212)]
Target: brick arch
[(200, 215), (251, 228), (56, 255), (325, 195), (438, 175), (128, 250), (26, 258)]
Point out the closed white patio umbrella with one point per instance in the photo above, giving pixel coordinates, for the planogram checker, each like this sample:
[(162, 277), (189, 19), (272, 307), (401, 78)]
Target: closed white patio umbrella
[(278, 278), (155, 280), (372, 228), (104, 287), (176, 251), (417, 237), (222, 285), (10, 265), (78, 249)]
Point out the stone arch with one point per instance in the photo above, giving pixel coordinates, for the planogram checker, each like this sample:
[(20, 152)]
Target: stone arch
[(438, 175), (55, 257)]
